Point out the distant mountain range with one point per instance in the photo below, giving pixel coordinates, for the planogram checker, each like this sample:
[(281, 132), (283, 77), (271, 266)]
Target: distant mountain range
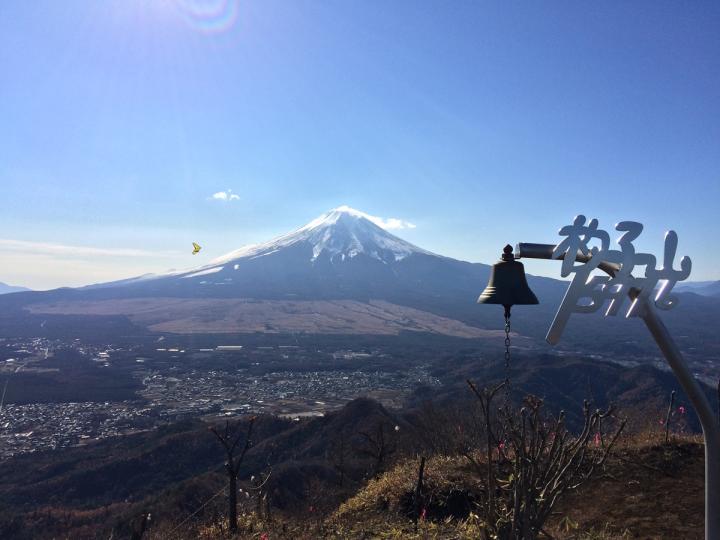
[(5, 288), (339, 274), (703, 288)]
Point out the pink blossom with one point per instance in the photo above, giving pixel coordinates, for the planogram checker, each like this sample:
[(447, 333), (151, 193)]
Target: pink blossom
[(597, 439), (264, 536), (423, 513), (681, 409)]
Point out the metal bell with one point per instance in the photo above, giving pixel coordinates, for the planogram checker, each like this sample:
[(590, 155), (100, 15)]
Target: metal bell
[(507, 285)]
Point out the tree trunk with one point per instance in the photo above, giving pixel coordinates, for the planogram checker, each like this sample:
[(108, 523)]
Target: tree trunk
[(418, 492), (232, 504)]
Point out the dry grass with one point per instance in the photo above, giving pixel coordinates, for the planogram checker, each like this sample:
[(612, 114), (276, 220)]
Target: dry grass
[(652, 491), (389, 494), (647, 490)]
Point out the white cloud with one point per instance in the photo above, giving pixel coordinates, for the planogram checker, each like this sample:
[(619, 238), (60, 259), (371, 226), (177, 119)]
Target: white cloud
[(37, 248), (391, 223), (385, 223), (225, 196)]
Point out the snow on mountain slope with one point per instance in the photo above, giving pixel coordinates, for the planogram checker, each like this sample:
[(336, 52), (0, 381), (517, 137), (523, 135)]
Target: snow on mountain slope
[(331, 242), (315, 279), (207, 271), (6, 289), (342, 233)]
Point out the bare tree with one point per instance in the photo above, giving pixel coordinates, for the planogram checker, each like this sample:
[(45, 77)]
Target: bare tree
[(262, 494), (377, 447), (418, 497), (533, 460), (138, 527), (320, 502), (230, 442), (449, 429), (492, 441), (668, 416), (338, 455)]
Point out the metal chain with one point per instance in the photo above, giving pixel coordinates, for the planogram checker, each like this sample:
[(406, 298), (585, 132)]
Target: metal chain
[(507, 358)]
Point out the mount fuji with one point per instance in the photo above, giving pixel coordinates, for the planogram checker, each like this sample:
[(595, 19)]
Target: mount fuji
[(343, 233), (343, 254), (340, 273)]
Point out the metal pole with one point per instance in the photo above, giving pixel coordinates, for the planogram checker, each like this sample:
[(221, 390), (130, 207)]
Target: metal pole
[(708, 420), (709, 423)]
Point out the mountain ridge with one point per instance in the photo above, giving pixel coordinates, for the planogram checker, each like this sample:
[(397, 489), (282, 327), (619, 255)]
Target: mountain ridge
[(305, 277), (342, 231), (7, 289)]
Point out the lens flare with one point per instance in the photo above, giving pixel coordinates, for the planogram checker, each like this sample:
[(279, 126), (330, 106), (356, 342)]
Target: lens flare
[(209, 16)]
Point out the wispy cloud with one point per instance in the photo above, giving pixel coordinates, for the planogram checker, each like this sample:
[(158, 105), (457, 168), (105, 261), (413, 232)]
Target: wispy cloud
[(385, 223), (44, 248), (227, 195), (391, 223)]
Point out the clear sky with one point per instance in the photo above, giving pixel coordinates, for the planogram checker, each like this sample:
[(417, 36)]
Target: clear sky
[(480, 123)]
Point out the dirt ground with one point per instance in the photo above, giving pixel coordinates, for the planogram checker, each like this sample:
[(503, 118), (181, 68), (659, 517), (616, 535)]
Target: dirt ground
[(653, 492)]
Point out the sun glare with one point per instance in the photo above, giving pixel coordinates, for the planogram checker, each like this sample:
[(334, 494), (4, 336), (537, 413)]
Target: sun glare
[(209, 16)]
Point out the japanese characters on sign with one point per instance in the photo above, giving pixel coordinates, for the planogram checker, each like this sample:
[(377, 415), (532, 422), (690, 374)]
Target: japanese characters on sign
[(590, 290)]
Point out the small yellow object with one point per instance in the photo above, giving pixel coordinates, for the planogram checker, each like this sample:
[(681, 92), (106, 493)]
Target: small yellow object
[(196, 248)]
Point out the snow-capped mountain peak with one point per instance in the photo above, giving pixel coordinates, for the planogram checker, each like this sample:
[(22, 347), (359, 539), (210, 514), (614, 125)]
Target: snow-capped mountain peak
[(334, 216), (340, 234)]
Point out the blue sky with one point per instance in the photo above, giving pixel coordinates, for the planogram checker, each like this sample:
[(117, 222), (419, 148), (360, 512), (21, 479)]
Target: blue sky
[(480, 123)]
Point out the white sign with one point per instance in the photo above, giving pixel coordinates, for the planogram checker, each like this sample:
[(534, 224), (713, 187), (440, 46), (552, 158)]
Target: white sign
[(589, 291)]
